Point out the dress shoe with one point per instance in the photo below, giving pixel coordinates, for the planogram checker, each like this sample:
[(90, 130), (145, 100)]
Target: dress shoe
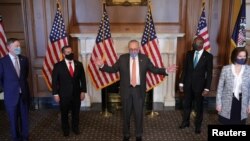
[(183, 125), (125, 138), (138, 139), (76, 131), (197, 130)]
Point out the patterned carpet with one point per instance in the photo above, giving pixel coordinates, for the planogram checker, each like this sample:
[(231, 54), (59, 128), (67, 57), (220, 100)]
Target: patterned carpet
[(45, 126)]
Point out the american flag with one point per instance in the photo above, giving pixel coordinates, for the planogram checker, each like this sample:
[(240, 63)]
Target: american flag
[(57, 40), (103, 49), (150, 47), (239, 32), (202, 29), (3, 40)]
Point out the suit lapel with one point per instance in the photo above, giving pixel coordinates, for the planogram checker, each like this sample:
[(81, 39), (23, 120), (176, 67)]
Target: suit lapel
[(245, 76), (76, 69), (140, 63), (21, 64), (128, 66), (192, 59), (12, 66)]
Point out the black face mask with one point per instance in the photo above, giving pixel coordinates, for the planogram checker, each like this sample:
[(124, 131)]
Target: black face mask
[(240, 61), (195, 46), (69, 56)]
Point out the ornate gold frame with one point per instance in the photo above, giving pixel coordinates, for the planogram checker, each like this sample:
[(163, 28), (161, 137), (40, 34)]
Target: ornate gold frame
[(126, 2)]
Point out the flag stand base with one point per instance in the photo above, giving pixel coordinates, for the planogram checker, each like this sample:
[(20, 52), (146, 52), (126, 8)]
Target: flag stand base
[(152, 114), (106, 113)]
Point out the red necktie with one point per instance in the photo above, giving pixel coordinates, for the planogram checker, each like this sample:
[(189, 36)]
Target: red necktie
[(71, 71)]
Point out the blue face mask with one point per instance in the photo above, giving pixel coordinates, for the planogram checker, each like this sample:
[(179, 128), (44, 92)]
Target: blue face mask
[(133, 54), (240, 61), (17, 50)]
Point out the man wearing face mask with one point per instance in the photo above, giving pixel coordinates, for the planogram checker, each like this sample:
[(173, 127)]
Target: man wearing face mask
[(69, 88), (14, 70), (195, 82), (132, 68)]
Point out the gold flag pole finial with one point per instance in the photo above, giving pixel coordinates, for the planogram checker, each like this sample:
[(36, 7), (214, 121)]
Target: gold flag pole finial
[(150, 5), (58, 4), (103, 5), (203, 3)]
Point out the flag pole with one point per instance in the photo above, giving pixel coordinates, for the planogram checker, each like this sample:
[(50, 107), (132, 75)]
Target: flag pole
[(104, 113), (151, 113)]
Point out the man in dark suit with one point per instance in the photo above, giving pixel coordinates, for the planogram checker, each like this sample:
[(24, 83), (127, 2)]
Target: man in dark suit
[(14, 70), (195, 82), (133, 67), (69, 88)]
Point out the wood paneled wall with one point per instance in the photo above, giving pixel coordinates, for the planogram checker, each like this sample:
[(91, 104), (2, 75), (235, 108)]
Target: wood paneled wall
[(11, 11), (31, 21), (13, 22)]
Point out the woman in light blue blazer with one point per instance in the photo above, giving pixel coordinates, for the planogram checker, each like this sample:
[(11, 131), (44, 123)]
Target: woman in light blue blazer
[(233, 93)]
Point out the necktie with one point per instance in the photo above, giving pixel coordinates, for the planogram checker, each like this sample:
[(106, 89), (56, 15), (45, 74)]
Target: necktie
[(17, 68), (196, 58), (71, 71), (133, 79)]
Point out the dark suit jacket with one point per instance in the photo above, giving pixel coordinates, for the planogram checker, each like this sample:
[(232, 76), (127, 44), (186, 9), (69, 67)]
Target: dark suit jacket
[(68, 88), (200, 77), (122, 65), (11, 83)]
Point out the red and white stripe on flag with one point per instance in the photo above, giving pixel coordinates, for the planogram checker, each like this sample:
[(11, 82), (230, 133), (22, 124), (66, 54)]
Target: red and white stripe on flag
[(103, 49), (3, 40), (57, 40), (150, 47)]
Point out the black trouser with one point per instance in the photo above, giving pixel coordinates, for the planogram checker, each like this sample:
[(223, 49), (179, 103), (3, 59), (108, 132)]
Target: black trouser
[(189, 98), (134, 102), (65, 107)]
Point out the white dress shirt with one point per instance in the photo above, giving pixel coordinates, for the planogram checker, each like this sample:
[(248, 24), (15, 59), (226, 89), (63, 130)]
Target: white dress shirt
[(237, 81)]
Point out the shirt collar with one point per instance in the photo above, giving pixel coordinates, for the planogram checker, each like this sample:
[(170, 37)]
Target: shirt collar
[(136, 57), (12, 56), (67, 61), (200, 51)]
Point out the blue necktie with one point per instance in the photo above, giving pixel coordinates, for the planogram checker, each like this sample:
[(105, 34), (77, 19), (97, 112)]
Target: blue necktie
[(196, 58)]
